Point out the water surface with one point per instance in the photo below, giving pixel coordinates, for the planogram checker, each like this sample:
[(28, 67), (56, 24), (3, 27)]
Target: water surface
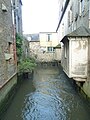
[(49, 96)]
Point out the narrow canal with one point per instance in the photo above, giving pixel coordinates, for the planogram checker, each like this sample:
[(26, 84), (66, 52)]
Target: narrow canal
[(49, 96)]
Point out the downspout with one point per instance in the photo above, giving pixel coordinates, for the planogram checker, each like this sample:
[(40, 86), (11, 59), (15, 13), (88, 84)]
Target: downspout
[(65, 7)]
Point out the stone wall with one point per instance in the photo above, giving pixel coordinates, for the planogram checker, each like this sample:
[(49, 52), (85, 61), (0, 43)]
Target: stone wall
[(7, 86), (7, 92), (37, 52), (7, 62), (8, 68)]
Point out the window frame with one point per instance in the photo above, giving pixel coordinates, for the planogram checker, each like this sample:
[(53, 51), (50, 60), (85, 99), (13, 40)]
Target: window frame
[(50, 49), (48, 37)]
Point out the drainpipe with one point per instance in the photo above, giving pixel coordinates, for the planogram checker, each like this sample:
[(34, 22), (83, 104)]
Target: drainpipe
[(14, 46), (89, 14), (65, 7)]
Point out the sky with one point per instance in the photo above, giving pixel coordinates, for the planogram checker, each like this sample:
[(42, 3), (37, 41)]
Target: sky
[(39, 16)]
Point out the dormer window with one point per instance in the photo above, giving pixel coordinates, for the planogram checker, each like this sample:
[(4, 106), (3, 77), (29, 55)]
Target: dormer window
[(4, 8)]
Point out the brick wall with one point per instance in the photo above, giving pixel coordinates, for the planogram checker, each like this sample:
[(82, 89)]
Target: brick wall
[(7, 65)]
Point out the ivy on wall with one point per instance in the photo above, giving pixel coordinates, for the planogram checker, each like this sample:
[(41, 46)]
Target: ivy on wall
[(25, 65)]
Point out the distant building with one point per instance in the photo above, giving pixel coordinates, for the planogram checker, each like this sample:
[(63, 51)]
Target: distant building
[(74, 32), (42, 46), (48, 42), (34, 45), (25, 48)]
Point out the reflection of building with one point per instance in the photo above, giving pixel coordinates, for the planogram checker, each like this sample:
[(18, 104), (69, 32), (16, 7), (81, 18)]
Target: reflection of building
[(42, 46), (8, 70), (73, 31)]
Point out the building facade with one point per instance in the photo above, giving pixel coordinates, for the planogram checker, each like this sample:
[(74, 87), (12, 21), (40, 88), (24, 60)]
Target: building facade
[(48, 42), (8, 63), (42, 46), (74, 33), (17, 15)]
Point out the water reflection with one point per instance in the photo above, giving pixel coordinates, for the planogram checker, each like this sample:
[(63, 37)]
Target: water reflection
[(54, 98)]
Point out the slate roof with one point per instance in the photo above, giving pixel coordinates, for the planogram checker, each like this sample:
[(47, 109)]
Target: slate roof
[(34, 37), (79, 32)]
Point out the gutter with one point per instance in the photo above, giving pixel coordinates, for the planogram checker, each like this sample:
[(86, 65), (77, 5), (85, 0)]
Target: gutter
[(65, 7)]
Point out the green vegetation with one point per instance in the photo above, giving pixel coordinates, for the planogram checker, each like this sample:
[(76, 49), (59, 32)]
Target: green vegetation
[(25, 65), (19, 40)]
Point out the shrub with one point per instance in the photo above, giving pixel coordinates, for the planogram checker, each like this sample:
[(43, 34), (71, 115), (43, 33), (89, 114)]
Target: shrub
[(26, 66)]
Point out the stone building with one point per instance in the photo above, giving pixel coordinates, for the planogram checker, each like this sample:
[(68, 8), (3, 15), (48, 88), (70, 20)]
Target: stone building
[(8, 61), (57, 53), (42, 46), (48, 42), (25, 48), (74, 32), (34, 44)]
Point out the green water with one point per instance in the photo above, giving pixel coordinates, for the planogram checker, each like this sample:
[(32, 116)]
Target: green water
[(48, 96)]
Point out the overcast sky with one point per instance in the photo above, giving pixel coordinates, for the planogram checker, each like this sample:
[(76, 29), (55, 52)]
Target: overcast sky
[(39, 16)]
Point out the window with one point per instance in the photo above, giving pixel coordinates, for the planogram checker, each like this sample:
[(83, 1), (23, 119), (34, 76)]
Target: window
[(10, 48), (50, 49), (68, 18), (81, 7), (49, 37), (65, 49), (71, 15)]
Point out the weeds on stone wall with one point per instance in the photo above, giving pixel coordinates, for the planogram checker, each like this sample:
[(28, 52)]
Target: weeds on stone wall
[(25, 65), (19, 40)]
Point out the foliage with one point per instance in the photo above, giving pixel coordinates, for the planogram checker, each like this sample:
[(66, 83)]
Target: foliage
[(26, 65), (19, 40)]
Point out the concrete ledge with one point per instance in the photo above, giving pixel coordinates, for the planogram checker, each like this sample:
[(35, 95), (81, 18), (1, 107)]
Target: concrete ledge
[(7, 92), (6, 82)]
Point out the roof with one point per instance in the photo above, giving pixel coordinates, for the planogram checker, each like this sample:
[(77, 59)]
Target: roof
[(79, 32), (58, 46), (63, 12), (33, 37), (46, 32)]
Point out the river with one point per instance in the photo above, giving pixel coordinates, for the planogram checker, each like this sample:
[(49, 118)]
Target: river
[(50, 95)]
